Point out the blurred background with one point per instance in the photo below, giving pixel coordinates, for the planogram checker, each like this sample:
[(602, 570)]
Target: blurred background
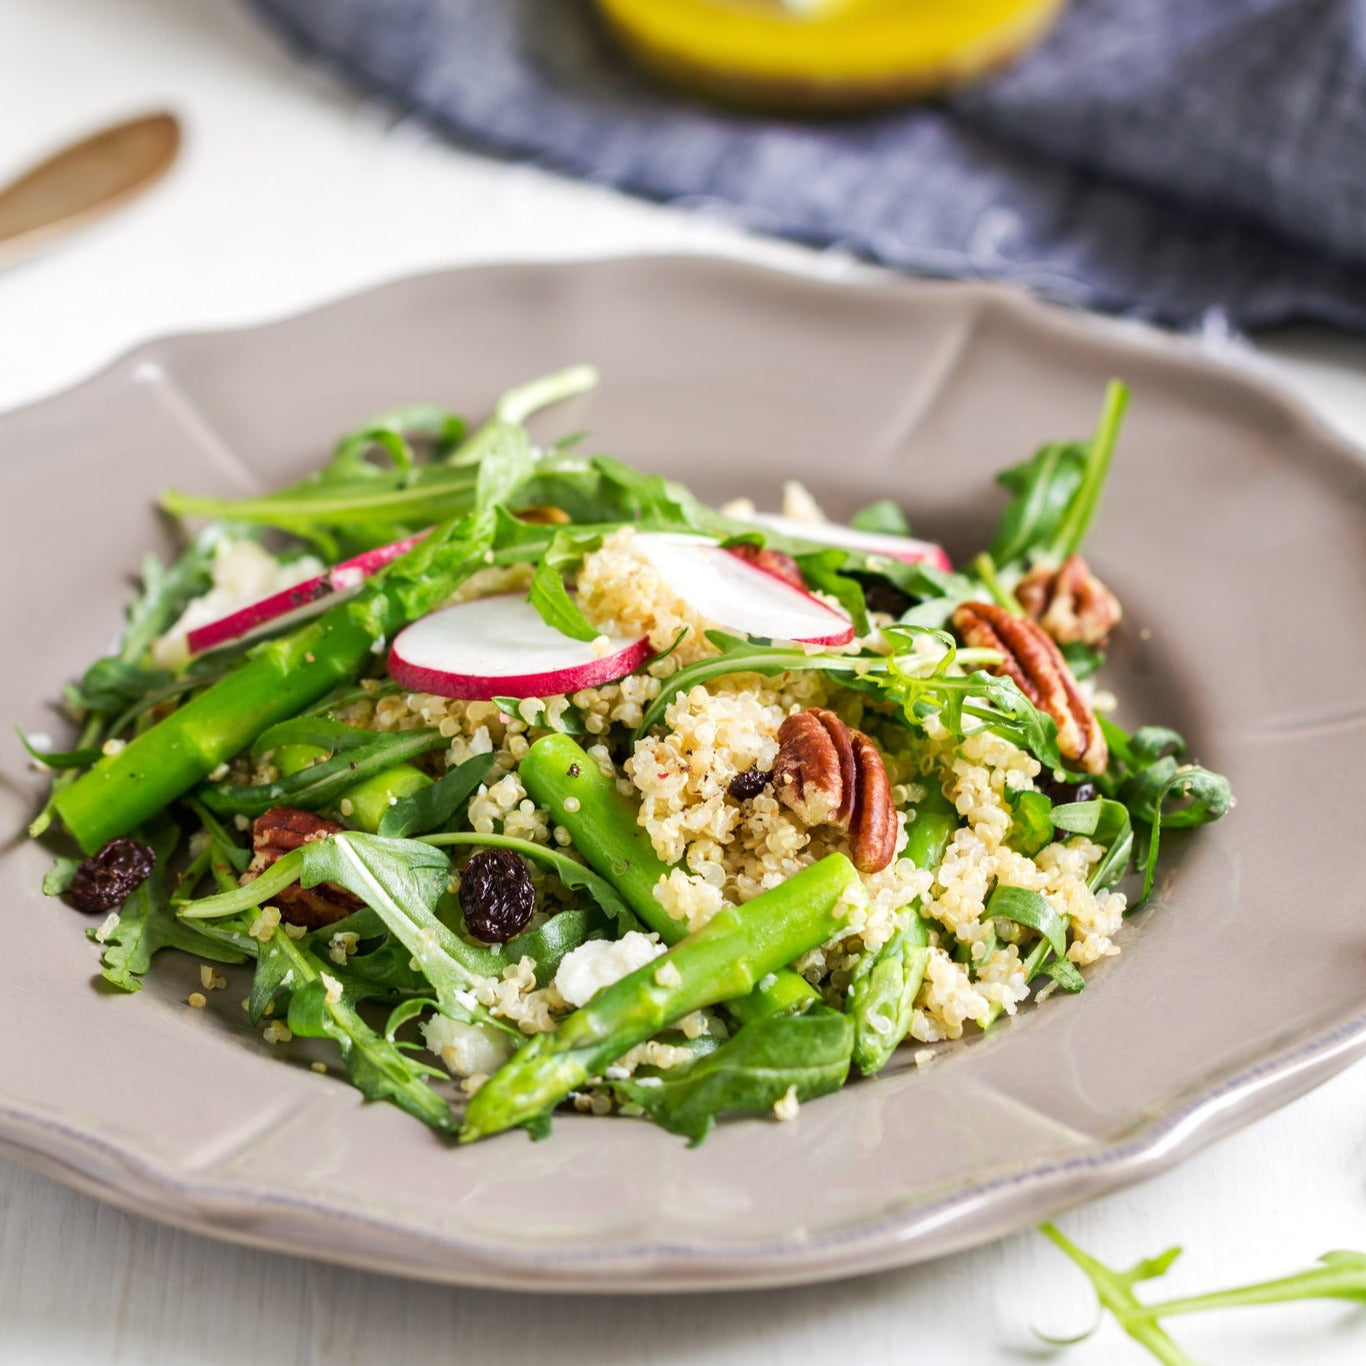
[(1193, 162)]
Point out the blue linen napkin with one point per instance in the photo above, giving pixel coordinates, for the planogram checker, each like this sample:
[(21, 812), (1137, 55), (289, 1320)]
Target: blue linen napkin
[(1171, 159)]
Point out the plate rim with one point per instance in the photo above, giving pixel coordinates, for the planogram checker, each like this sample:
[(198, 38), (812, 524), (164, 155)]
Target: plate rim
[(135, 1180)]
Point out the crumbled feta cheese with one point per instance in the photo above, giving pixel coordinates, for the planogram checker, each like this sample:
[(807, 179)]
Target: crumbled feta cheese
[(332, 988), (467, 1050), (668, 975), (107, 927), (785, 1107), (584, 971)]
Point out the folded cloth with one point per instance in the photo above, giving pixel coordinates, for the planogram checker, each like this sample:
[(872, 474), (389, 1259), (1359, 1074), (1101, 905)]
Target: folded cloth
[(1172, 160)]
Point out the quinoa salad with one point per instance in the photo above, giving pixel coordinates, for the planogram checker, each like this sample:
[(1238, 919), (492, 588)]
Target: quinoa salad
[(523, 780)]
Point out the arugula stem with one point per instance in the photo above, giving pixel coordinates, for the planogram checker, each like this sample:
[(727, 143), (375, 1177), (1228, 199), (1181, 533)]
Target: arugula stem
[(1115, 1292), (1346, 1281), (1076, 521), (985, 569)]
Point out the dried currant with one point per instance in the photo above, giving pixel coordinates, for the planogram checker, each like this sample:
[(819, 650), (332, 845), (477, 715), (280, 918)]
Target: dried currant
[(748, 784), (1060, 794), (107, 879), (496, 895)]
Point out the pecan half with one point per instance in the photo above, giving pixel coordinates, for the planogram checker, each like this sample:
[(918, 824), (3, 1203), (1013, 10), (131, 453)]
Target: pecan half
[(279, 831), (1038, 668), (827, 774), (1070, 603), (775, 562)]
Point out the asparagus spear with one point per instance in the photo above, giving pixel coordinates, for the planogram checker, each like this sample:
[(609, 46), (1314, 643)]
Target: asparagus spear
[(883, 988), (726, 958), (274, 683), (559, 775)]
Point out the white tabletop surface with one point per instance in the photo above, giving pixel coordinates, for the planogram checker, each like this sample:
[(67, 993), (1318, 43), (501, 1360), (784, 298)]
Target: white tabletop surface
[(289, 192)]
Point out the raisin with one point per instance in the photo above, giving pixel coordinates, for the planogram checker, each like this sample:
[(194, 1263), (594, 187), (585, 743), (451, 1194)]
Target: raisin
[(1062, 793), (496, 895), (748, 784), (107, 879), (881, 596)]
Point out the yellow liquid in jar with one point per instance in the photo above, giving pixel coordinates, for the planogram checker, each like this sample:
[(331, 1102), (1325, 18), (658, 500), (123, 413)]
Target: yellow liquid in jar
[(826, 53)]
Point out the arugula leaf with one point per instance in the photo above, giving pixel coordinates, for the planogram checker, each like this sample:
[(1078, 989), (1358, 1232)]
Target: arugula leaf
[(821, 570), (146, 924), (1030, 909), (1031, 826), (1041, 489), (1056, 492), (1339, 1275), (355, 504), (808, 1054), (393, 433), (431, 808), (121, 680), (883, 516), (401, 881), (1066, 974), (377, 1066), (549, 595), (59, 758), (58, 878), (1082, 660), (355, 756), (1207, 795), (1106, 822)]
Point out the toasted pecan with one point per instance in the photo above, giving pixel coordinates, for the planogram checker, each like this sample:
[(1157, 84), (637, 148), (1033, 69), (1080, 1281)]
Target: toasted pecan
[(828, 774), (1070, 602), (279, 831), (1034, 662)]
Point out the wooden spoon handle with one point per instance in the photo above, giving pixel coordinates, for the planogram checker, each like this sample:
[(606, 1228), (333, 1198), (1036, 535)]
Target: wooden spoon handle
[(83, 181)]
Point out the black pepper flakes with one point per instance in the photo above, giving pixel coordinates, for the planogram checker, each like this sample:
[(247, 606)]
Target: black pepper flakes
[(107, 879)]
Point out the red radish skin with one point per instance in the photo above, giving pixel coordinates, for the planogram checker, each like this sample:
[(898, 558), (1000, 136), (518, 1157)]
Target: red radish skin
[(730, 592), (904, 548), (499, 647), (298, 602)]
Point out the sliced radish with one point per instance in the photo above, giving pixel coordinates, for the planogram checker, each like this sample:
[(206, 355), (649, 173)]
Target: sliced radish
[(500, 647), (740, 596), (904, 548), (303, 600)]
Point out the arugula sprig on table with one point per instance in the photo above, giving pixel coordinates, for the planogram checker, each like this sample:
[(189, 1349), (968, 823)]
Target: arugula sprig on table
[(1338, 1276)]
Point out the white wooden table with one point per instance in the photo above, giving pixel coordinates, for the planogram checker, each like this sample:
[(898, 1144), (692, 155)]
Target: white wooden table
[(291, 192)]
